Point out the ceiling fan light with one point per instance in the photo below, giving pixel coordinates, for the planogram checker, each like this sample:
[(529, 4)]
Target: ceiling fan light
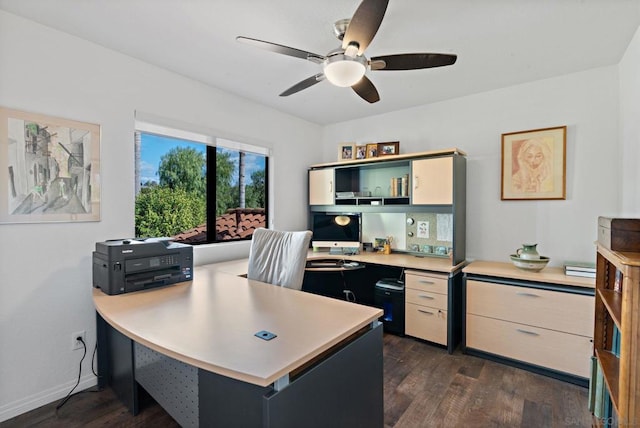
[(344, 71)]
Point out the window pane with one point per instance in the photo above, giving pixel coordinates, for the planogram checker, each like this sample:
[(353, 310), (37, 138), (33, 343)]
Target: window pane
[(241, 193), (174, 193), (171, 200)]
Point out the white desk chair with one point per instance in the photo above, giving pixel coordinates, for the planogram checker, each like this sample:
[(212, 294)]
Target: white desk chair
[(279, 257)]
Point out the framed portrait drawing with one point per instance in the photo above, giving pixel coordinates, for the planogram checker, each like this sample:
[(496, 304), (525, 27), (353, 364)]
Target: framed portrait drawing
[(346, 151), (361, 151), (50, 169), (389, 148), (372, 150), (534, 164)]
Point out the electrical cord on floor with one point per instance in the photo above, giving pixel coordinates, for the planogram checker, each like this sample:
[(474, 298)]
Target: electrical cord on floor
[(70, 394), (93, 358)]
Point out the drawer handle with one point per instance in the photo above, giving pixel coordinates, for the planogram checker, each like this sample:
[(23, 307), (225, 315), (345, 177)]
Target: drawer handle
[(527, 294), (424, 296), (425, 312), (422, 281), (530, 333)]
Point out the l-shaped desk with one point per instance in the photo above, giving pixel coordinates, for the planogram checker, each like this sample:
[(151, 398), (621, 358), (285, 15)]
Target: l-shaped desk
[(193, 347)]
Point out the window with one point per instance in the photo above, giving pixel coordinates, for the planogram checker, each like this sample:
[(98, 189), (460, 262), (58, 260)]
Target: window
[(198, 189)]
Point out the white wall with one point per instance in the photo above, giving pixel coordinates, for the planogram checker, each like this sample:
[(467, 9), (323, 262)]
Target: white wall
[(630, 128), (45, 276), (45, 269), (586, 102)]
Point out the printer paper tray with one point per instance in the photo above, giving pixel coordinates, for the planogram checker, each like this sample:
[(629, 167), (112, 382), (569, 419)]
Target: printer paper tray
[(157, 278)]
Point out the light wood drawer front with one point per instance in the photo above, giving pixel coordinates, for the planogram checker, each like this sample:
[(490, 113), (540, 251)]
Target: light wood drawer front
[(571, 313), (565, 352), (431, 283), (426, 323), (426, 298)]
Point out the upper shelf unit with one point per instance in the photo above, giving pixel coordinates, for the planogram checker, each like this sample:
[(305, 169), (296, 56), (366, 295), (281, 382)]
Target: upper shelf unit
[(419, 179)]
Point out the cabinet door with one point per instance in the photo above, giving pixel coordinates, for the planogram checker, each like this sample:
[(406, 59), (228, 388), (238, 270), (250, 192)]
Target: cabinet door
[(321, 187), (425, 322), (432, 181)]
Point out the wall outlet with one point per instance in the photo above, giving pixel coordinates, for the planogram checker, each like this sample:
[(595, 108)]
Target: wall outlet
[(75, 343)]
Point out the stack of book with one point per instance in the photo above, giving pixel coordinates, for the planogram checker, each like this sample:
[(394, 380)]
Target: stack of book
[(584, 269), (400, 186)]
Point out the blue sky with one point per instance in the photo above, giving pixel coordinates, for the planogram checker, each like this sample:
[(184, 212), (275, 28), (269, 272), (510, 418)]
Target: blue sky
[(153, 147)]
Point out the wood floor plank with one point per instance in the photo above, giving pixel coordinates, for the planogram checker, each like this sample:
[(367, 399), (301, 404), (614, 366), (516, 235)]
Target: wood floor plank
[(424, 386)]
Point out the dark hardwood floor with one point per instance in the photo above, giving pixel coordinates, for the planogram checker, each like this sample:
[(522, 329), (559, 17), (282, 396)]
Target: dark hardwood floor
[(423, 387)]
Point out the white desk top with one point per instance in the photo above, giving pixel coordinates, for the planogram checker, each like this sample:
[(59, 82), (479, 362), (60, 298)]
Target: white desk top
[(404, 260), (553, 275), (210, 323)]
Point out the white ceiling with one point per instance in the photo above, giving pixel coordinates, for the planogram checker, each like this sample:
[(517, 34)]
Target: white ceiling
[(498, 42)]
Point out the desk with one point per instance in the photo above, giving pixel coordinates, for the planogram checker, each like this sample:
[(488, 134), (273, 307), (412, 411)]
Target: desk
[(402, 260), (422, 301), (323, 346)]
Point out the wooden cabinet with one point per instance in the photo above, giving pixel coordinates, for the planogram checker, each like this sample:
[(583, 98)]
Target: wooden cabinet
[(426, 178), (535, 320), (321, 186), (426, 306), (432, 182), (618, 307)]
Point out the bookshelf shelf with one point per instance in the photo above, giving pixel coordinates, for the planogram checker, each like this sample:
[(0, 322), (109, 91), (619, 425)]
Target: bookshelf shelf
[(611, 373), (613, 302)]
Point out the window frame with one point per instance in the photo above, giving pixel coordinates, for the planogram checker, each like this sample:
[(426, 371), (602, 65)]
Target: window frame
[(212, 143)]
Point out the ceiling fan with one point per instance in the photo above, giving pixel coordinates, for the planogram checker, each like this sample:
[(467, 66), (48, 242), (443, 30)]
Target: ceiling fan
[(346, 65)]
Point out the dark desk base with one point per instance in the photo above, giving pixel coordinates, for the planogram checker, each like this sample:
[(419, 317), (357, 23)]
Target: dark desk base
[(344, 389)]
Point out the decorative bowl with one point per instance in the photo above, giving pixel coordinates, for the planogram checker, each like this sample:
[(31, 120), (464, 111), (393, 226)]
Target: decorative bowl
[(532, 265)]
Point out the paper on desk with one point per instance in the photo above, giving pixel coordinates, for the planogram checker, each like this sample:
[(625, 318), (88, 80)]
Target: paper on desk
[(444, 224)]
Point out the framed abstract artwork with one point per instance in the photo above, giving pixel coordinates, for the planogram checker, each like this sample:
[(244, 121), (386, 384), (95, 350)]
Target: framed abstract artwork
[(50, 169)]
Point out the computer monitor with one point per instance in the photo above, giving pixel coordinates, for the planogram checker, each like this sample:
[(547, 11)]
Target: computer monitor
[(336, 230)]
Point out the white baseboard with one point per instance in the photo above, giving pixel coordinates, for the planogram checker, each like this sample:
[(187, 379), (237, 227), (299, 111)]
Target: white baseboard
[(26, 404)]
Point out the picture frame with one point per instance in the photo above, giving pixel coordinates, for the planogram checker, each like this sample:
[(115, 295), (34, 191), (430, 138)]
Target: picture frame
[(389, 148), (372, 150), (379, 243), (50, 169), (346, 151), (534, 164), (361, 151)]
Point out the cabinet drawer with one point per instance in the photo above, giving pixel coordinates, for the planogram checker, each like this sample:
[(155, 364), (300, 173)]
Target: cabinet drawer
[(426, 323), (564, 352), (555, 310), (425, 282), (426, 298)]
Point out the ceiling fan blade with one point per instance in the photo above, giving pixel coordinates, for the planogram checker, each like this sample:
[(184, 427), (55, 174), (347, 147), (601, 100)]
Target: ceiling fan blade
[(364, 24), (281, 49), (365, 89), (303, 84), (412, 61)]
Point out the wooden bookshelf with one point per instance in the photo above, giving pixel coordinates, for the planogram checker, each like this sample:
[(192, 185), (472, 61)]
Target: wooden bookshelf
[(622, 310)]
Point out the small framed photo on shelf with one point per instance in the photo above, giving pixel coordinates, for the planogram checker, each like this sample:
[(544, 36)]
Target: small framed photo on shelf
[(372, 150), (533, 164), (389, 148), (379, 243), (361, 151), (346, 151)]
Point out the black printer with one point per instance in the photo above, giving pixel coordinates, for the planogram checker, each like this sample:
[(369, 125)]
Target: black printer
[(126, 265)]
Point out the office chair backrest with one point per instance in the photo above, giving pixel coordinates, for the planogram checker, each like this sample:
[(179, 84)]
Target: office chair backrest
[(279, 257)]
